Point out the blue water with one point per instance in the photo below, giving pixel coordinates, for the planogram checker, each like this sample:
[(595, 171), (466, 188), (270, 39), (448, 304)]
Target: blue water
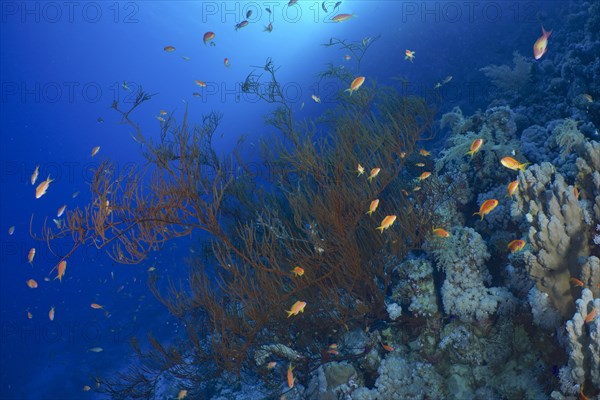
[(61, 68)]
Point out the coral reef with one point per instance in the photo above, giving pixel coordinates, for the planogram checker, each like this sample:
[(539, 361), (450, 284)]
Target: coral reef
[(416, 287), (510, 80), (462, 257), (401, 379), (557, 233), (583, 344)]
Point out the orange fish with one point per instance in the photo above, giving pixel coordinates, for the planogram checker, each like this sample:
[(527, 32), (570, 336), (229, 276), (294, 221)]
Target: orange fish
[(95, 151), (182, 394), (387, 222), (576, 192), (355, 85), (374, 173), (290, 376), (169, 49), (35, 174), (32, 283), (51, 314), (540, 45), (512, 188), (96, 306), (387, 347), (272, 365), (61, 267), (475, 146), (61, 211), (43, 187), (342, 17), (200, 83), (298, 271), (298, 307), (591, 316), (31, 256), (577, 282), (208, 36), (486, 207), (424, 153), (416, 188), (513, 164), (409, 55), (441, 233), (373, 206), (424, 176), (516, 245), (29, 315), (226, 62), (360, 169)]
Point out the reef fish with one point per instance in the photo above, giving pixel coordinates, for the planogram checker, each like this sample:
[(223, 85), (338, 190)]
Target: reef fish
[(486, 207), (342, 17), (355, 85), (290, 376), (360, 169), (96, 306), (61, 268), (424, 176), (35, 174), (373, 206), (51, 314), (516, 245), (32, 283), (169, 49), (41, 189), (268, 28), (298, 307), (512, 188), (183, 393), (440, 232), (11, 230), (31, 256), (513, 164), (387, 222), (475, 146), (61, 211), (241, 25), (540, 47), (298, 271), (374, 173), (208, 37), (226, 62), (409, 55), (200, 83), (591, 316)]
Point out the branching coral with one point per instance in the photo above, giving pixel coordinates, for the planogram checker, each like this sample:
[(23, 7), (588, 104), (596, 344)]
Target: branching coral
[(316, 219), (510, 79), (583, 333)]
